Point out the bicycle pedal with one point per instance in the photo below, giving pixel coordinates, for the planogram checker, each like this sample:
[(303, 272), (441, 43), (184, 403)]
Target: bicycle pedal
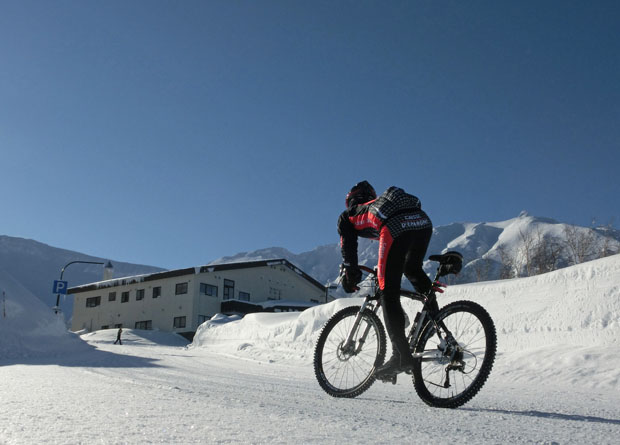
[(388, 379)]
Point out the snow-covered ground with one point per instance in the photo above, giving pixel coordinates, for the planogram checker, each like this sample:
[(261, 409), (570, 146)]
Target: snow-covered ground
[(556, 378)]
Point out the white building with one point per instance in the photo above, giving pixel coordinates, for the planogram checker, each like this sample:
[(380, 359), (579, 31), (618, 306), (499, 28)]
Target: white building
[(180, 300)]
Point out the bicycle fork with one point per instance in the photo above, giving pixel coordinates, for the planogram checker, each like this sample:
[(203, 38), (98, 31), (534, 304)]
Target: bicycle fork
[(349, 346)]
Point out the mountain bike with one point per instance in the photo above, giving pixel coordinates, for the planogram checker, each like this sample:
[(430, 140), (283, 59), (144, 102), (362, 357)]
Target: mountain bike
[(453, 347)]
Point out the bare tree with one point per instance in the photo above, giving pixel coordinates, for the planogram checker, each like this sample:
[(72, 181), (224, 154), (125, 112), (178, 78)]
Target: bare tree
[(608, 248), (482, 269), (580, 243), (526, 252), (610, 245), (507, 268), (547, 252)]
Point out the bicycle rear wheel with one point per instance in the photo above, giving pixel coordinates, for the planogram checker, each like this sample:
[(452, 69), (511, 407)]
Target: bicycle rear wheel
[(455, 362), (348, 370)]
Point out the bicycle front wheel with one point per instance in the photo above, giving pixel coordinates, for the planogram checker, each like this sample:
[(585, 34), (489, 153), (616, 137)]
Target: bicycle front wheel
[(455, 355), (346, 369)]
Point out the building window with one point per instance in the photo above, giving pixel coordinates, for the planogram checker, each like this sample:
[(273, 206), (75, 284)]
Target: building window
[(244, 296), (93, 301), (208, 289), (146, 325), (105, 326), (203, 318), (179, 322), (140, 294), (181, 288), (112, 296), (157, 292), (124, 297), (229, 289), (120, 325), (274, 294)]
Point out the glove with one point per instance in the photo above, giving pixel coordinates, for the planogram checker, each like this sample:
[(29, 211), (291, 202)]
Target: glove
[(352, 276)]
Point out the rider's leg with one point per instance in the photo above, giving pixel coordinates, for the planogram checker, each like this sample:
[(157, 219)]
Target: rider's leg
[(414, 260), (393, 313)]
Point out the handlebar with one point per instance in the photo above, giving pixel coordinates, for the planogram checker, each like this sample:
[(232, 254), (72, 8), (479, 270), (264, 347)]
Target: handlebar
[(367, 269), (437, 285)]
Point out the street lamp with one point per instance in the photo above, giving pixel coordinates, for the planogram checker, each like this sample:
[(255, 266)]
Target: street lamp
[(327, 289), (107, 271)]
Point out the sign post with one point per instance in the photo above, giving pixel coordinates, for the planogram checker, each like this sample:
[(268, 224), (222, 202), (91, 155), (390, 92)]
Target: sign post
[(60, 286)]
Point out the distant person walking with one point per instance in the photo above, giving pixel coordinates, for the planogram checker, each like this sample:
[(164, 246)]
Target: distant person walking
[(118, 336)]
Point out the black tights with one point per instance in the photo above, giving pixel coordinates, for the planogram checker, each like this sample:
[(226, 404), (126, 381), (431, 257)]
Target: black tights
[(406, 256)]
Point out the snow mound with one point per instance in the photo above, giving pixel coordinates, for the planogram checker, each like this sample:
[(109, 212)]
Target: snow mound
[(268, 337), (28, 328)]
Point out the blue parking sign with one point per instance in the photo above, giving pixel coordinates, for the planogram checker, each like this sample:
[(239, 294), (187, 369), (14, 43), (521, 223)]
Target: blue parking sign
[(60, 287)]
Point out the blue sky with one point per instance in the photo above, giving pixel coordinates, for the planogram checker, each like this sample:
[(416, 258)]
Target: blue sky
[(173, 133)]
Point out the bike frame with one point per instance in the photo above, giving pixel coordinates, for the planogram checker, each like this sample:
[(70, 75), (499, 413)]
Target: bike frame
[(429, 309)]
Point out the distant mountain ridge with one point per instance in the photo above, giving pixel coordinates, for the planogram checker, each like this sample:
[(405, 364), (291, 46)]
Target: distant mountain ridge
[(36, 265), (482, 244)]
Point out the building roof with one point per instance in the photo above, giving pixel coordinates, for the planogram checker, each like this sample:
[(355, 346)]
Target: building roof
[(193, 271)]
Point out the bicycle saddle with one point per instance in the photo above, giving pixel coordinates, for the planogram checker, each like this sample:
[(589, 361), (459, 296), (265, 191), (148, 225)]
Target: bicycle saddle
[(450, 262)]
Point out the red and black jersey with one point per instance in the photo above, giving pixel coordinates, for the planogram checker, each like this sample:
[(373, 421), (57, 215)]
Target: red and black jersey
[(385, 218)]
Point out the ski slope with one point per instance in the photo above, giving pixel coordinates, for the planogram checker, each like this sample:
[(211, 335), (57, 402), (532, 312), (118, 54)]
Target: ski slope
[(556, 377)]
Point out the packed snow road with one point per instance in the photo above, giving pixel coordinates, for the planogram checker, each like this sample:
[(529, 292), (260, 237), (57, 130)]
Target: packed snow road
[(147, 392)]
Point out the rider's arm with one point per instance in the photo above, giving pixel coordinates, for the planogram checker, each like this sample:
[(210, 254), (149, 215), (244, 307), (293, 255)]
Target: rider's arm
[(348, 239)]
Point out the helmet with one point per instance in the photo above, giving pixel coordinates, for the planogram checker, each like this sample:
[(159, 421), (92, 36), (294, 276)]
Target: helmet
[(360, 193)]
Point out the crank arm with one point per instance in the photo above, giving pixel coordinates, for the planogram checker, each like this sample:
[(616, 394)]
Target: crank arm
[(429, 356)]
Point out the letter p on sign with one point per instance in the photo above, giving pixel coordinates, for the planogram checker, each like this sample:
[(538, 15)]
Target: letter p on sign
[(60, 287)]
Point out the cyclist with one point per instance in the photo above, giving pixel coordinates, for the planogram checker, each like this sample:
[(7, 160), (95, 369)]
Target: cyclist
[(404, 230)]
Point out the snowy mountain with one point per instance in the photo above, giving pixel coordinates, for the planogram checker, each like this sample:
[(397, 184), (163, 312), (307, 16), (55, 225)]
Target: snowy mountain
[(486, 248), (34, 266)]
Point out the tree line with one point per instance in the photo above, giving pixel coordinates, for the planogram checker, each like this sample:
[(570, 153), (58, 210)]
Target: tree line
[(539, 253)]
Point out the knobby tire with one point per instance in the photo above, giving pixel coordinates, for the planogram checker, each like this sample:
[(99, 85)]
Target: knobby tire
[(348, 375), (474, 330)]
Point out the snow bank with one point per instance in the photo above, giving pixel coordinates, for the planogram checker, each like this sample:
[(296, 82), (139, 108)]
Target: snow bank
[(28, 328), (563, 325), (577, 306), (269, 337)]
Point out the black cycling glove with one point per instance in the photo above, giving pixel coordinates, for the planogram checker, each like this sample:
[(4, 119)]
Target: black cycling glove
[(351, 277)]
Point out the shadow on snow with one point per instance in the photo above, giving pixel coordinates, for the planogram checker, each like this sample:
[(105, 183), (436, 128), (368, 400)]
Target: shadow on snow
[(548, 415), (84, 355)]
